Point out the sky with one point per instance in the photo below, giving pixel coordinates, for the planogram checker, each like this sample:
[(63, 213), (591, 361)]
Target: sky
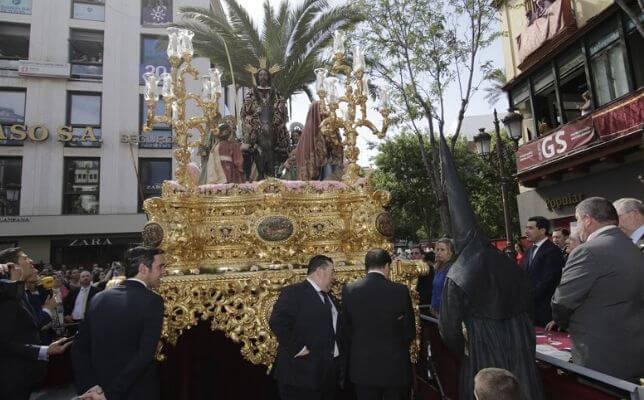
[(477, 106)]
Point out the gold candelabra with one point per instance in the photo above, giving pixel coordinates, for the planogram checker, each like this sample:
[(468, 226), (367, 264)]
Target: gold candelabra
[(347, 113), (176, 97)]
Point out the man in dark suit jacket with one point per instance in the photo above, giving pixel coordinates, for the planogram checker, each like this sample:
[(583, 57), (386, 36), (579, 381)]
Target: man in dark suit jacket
[(379, 324), (114, 353), (307, 323), (543, 262), (75, 310), (600, 299), (22, 357)]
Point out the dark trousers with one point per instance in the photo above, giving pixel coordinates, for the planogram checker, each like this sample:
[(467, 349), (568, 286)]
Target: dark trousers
[(382, 393), (326, 391)]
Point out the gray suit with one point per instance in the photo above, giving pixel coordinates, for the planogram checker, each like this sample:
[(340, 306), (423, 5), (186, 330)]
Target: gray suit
[(600, 301)]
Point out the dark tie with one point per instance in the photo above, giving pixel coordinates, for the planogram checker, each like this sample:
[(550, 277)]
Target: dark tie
[(327, 303)]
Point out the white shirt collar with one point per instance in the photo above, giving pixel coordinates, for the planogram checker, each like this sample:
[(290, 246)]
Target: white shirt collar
[(374, 271), (315, 286), (598, 231), (635, 236), (138, 280), (85, 288), (540, 242)]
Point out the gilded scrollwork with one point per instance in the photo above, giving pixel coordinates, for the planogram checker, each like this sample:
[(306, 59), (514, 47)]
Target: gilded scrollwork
[(239, 304)]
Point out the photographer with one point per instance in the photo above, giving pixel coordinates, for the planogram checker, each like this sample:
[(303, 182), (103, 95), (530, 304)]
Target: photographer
[(22, 357)]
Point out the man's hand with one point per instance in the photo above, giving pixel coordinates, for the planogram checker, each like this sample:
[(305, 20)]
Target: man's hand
[(551, 326), (59, 346), (68, 319), (304, 352), (50, 303), (95, 393)]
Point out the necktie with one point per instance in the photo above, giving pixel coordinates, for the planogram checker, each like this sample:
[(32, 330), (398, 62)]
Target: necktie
[(84, 293), (327, 303)]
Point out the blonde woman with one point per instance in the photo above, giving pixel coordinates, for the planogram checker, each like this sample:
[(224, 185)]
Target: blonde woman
[(445, 255)]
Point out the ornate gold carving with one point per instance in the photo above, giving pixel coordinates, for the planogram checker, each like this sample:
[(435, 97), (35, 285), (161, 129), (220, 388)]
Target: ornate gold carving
[(239, 304)]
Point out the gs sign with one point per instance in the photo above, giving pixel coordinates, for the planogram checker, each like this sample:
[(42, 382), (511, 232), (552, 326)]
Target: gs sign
[(554, 144)]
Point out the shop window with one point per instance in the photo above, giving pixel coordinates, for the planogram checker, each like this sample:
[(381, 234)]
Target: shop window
[(10, 184), (635, 43), (84, 118), (15, 6), (93, 10), (152, 173), (156, 12), (14, 45), (12, 112), (86, 54), (521, 102), (573, 84), (607, 64), (160, 137), (154, 58), (545, 101), (81, 185)]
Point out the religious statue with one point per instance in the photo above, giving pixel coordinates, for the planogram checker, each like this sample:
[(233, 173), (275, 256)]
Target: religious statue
[(224, 162), (264, 117)]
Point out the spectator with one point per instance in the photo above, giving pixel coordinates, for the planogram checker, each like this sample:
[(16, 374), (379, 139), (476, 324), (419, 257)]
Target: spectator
[(518, 248), (22, 356), (631, 218), (74, 279), (416, 253), (444, 258), (79, 299), (572, 242), (543, 262), (114, 353), (559, 236), (601, 295), (496, 384)]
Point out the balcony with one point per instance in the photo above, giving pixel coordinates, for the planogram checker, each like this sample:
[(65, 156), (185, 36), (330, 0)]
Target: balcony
[(607, 133)]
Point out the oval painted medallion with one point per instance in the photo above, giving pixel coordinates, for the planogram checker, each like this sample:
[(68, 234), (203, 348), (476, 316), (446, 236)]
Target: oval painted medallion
[(275, 228)]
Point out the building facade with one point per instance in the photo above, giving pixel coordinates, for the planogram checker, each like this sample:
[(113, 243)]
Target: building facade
[(75, 166), (575, 74)]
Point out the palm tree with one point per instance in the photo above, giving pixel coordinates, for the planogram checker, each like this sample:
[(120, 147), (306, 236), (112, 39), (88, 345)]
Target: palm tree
[(497, 80), (293, 37)]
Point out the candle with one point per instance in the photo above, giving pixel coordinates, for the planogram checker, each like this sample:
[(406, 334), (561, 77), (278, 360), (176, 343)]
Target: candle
[(173, 42), (331, 88), (151, 89), (185, 42), (166, 89), (205, 88), (215, 82), (320, 76), (385, 94), (358, 59), (338, 41)]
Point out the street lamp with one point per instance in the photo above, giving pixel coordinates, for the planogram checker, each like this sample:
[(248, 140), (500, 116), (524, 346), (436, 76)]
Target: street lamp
[(512, 123), (482, 141)]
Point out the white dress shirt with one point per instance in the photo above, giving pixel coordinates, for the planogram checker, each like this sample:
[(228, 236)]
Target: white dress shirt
[(334, 315), (635, 236), (536, 247), (80, 304)]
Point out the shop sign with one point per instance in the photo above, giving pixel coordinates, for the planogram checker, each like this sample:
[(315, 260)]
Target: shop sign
[(147, 139), (14, 219), (557, 144), (15, 6), (572, 199), (90, 242), (40, 133)]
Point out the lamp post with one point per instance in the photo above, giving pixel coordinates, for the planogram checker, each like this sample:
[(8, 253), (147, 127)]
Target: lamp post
[(483, 140)]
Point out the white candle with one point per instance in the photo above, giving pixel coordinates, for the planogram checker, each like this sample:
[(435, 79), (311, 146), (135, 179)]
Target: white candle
[(215, 82), (185, 42), (166, 89), (205, 88), (173, 42), (358, 59), (338, 41), (320, 76), (151, 89)]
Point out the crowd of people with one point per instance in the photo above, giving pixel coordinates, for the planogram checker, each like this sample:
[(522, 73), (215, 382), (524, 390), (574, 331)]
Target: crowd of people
[(589, 282)]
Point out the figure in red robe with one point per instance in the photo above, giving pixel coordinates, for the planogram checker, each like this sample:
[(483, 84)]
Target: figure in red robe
[(225, 163)]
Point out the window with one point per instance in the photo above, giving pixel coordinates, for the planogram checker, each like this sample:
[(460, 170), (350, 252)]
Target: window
[(545, 100), (12, 112), (15, 6), (153, 56), (84, 117), (607, 64), (152, 173), (82, 177), (10, 184), (521, 101), (156, 12), (93, 10), (161, 135), (635, 43), (573, 83), (14, 45), (86, 54)]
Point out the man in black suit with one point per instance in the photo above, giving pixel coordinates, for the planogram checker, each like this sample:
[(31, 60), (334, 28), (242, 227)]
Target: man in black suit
[(543, 262), (307, 324), (78, 299), (379, 324), (114, 354), (22, 357)]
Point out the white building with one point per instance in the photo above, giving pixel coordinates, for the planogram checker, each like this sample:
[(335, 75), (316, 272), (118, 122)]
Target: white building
[(69, 89)]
